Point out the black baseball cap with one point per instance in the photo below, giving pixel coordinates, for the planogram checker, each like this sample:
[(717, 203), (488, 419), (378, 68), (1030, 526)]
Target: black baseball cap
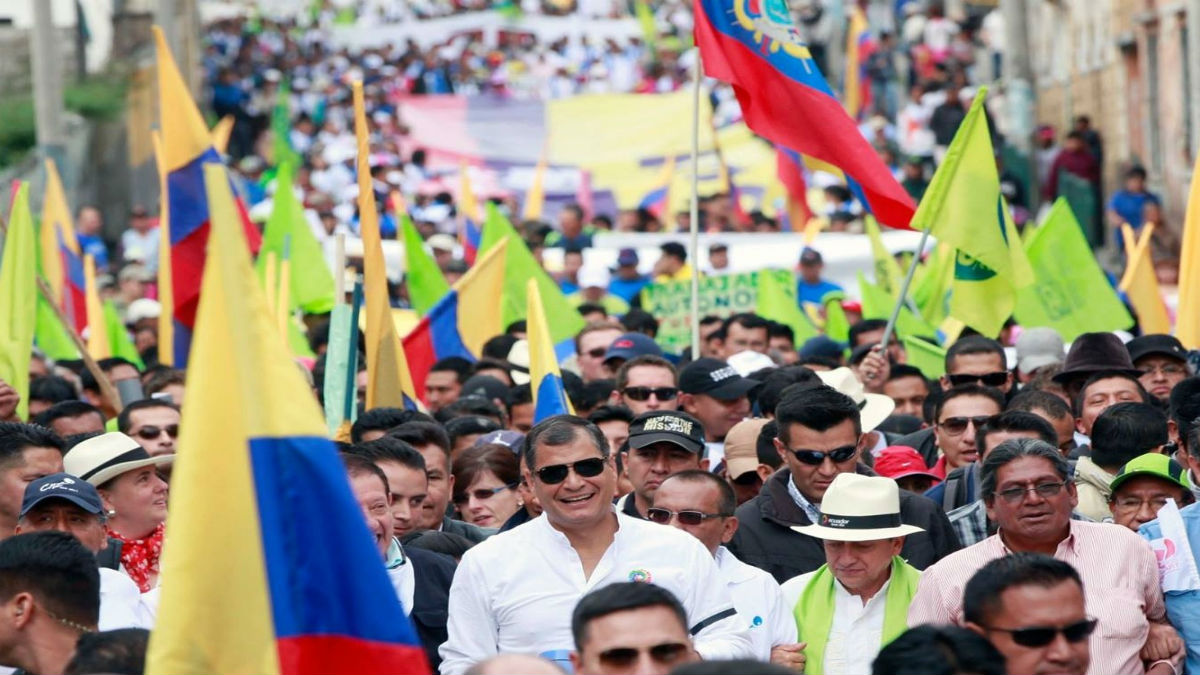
[(1156, 345), (62, 486), (667, 426), (810, 256), (715, 378)]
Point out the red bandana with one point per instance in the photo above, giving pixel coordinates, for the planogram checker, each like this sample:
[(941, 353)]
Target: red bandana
[(140, 556)]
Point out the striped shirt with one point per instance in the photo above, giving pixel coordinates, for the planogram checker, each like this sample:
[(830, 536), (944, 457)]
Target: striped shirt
[(1120, 587)]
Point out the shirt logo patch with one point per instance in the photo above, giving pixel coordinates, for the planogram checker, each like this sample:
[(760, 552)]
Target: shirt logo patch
[(641, 576)]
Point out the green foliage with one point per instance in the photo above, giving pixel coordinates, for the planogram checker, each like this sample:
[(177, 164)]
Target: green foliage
[(99, 98)]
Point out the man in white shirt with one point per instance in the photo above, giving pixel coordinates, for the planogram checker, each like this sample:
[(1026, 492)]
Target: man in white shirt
[(515, 592), (857, 602), (702, 504)]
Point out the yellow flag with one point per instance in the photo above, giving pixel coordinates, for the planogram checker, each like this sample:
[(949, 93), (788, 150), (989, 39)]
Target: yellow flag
[(97, 342), (467, 204), (56, 227), (535, 199), (1187, 316), (1141, 285), (220, 133), (166, 323)]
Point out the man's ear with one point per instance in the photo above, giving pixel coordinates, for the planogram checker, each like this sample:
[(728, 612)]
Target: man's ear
[(576, 662), (19, 610), (731, 526)]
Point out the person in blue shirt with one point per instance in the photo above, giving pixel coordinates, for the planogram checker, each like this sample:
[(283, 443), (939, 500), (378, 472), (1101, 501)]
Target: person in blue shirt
[(811, 287), (87, 231), (627, 283), (1126, 204)]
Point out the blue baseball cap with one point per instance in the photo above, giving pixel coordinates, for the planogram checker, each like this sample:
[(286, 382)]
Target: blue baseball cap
[(62, 486), (823, 346), (632, 345)]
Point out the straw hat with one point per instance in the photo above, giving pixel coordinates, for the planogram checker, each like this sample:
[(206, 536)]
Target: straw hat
[(859, 508), (874, 408), (100, 459)]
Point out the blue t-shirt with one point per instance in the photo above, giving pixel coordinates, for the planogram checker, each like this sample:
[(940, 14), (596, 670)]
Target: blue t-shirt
[(627, 289), (812, 293), (1129, 205), (95, 246)]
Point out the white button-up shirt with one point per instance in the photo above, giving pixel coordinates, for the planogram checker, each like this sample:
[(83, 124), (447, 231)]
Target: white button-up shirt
[(515, 592), (759, 603), (403, 577), (856, 634)]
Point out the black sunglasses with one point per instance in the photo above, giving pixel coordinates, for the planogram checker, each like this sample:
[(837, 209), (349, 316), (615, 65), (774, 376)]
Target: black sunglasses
[(150, 433), (557, 473), (1040, 636), (816, 457), (624, 657), (482, 494), (996, 379), (643, 393), (663, 516), (597, 352), (957, 425)]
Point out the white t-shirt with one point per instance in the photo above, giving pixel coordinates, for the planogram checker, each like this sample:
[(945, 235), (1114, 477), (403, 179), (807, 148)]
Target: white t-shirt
[(121, 604)]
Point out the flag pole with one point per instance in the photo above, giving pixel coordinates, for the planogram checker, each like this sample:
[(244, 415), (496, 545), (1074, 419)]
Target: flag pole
[(903, 295), (694, 214)]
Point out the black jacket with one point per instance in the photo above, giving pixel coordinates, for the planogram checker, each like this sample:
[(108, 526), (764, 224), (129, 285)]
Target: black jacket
[(473, 533), (765, 539), (433, 573)]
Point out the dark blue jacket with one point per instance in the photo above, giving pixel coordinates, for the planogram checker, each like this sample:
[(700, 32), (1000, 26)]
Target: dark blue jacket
[(433, 573)]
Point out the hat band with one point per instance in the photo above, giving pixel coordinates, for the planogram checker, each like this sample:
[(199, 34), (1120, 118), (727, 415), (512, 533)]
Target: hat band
[(134, 455), (875, 522)]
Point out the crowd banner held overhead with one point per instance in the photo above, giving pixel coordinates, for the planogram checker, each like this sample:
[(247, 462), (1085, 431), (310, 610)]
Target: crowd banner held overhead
[(963, 207), (166, 315), (549, 394), (426, 285), (268, 481), (1140, 284), (463, 320), (1070, 293), (312, 289), (62, 265), (784, 96), (187, 147), (389, 383), (776, 301), (18, 298), (1187, 314)]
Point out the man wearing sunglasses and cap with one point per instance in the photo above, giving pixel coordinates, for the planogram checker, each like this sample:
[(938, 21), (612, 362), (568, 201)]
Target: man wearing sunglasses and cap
[(661, 444), (514, 592), (857, 602)]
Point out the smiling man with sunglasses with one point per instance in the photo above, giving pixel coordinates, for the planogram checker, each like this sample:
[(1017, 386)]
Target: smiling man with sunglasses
[(1027, 492), (153, 423), (515, 592)]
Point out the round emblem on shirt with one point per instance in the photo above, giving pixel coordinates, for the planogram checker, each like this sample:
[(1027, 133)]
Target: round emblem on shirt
[(640, 576), (758, 621)]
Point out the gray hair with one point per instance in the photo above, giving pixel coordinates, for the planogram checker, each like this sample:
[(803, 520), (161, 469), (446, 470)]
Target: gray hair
[(561, 430), (1014, 449)]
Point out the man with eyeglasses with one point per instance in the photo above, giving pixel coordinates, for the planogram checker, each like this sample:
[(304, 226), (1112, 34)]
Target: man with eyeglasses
[(646, 383), (1027, 490), (1031, 608), (661, 444), (153, 423), (820, 437), (958, 415), (701, 504), (514, 592), (1143, 486), (1162, 361), (1122, 432), (630, 628)]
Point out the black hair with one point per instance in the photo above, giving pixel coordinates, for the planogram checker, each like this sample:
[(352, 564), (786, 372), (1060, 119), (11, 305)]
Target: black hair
[(1014, 449), (824, 361), (521, 394), (590, 308), (640, 321), (818, 408), (1185, 409), (595, 393), (57, 569), (16, 437), (726, 499), (123, 417), (1034, 399), (675, 250), (473, 406), (746, 320), (764, 445), (939, 650), (88, 381), (468, 425), (561, 430), (772, 388), (902, 370), (119, 652), (965, 391), (739, 666), (75, 439), (1015, 420), (624, 596), (864, 326), (318, 335), (776, 330), (387, 449), (1126, 430), (64, 409), (610, 413), (710, 319), (496, 348), (382, 419), (518, 326), (981, 596), (1136, 172), (455, 364), (974, 344), (1107, 375), (356, 465), (422, 433), (52, 389)]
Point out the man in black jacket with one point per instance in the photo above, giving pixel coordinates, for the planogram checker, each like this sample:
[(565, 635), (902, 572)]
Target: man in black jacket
[(820, 436)]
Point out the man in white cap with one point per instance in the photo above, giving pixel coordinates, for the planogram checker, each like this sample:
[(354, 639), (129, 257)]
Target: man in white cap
[(593, 290), (1037, 347), (857, 602)]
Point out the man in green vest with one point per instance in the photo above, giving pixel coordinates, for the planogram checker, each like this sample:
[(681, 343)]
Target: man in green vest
[(857, 602)]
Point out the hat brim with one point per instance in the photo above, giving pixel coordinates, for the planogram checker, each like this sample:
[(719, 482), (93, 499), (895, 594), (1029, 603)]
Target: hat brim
[(104, 475), (876, 409), (736, 467), (643, 440), (910, 474), (1031, 363), (875, 534), (74, 499), (1126, 477), (1158, 352), (1067, 375), (733, 389)]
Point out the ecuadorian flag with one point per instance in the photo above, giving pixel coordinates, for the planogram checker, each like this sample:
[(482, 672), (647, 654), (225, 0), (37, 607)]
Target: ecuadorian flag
[(62, 264), (658, 200), (296, 584), (549, 395)]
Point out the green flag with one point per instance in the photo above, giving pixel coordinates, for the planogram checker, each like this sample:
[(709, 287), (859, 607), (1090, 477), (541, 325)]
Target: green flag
[(931, 284), (1071, 293), (878, 304), (776, 301), (311, 285), (426, 285), (645, 18), (963, 207), (50, 334), (18, 299), (888, 275), (118, 337), (281, 129), (928, 357), (520, 266), (837, 326)]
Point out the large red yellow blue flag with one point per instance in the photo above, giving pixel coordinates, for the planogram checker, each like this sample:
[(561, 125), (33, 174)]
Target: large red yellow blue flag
[(753, 45), (62, 265), (549, 394), (187, 147), (857, 90), (299, 585)]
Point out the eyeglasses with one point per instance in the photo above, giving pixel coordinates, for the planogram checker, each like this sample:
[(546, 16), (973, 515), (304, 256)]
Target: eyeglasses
[(149, 432), (816, 457), (664, 516), (623, 657), (597, 353), (1131, 503), (996, 379), (482, 494), (1040, 636), (1165, 369), (557, 473), (1017, 495), (956, 425), (644, 393)]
